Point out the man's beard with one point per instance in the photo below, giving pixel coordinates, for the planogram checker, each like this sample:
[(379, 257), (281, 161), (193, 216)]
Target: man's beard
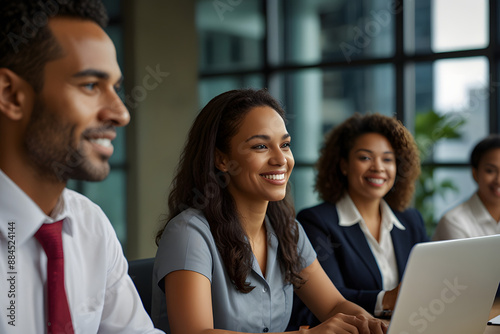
[(51, 148)]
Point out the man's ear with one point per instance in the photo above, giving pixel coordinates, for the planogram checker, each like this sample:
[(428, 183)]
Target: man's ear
[(15, 94), (221, 161)]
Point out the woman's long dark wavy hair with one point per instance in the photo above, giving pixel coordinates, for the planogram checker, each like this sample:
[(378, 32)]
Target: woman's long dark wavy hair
[(199, 184)]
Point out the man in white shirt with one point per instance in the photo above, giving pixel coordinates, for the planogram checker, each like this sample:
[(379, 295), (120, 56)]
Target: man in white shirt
[(58, 113)]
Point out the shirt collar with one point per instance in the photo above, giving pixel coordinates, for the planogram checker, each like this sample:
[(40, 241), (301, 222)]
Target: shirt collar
[(349, 214), (271, 235), (19, 208), (272, 250)]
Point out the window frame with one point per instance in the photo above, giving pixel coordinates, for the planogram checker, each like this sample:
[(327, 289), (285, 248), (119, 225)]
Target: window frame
[(400, 60)]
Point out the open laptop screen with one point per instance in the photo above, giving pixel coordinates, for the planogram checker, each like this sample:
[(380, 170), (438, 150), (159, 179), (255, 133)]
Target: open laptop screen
[(448, 287)]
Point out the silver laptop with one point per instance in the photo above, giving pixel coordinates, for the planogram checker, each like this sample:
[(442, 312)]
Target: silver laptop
[(448, 287)]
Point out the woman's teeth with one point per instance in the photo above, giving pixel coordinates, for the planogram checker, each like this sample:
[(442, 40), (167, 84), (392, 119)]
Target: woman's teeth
[(274, 176)]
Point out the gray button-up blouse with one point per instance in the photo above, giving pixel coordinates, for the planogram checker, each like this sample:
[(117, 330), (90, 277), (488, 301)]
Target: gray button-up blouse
[(187, 244)]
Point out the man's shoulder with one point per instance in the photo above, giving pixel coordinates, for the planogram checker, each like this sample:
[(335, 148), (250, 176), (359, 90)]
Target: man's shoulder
[(77, 203), (72, 196), (86, 216)]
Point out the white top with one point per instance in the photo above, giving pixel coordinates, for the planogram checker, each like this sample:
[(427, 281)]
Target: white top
[(469, 219), (101, 296), (266, 308), (383, 250)]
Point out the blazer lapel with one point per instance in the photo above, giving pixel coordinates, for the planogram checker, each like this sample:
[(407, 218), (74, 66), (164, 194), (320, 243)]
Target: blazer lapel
[(402, 247), (356, 238)]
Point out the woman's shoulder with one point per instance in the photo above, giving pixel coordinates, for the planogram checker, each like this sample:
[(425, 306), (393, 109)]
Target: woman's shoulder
[(189, 221), (323, 216), (413, 221), (408, 214), (464, 208), (190, 215), (319, 209)]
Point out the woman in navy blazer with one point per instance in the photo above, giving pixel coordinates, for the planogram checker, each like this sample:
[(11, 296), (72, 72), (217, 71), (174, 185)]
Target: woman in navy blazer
[(362, 232)]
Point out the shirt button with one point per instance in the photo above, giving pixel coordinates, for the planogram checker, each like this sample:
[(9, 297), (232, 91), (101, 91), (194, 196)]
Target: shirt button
[(265, 330), (264, 289)]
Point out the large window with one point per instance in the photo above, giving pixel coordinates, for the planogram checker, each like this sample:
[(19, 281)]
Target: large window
[(431, 63), (111, 194)]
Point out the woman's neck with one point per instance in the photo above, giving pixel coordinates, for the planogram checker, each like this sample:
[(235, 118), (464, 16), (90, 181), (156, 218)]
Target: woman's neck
[(252, 219), (368, 209), (371, 213), (253, 222)]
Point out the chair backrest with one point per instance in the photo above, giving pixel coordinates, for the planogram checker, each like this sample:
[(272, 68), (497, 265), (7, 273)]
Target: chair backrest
[(141, 272)]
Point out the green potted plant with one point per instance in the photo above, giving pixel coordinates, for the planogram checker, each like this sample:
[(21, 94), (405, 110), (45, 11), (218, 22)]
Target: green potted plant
[(431, 127)]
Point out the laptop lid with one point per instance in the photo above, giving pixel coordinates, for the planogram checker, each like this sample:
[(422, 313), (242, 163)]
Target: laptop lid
[(448, 287)]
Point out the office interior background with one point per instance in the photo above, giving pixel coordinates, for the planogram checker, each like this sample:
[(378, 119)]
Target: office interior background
[(433, 64)]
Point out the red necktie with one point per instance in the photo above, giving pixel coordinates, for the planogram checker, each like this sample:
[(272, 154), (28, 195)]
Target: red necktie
[(49, 236)]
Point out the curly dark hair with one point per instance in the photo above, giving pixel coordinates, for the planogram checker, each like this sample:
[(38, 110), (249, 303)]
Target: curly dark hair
[(489, 143), (331, 184), (199, 184), (26, 42)]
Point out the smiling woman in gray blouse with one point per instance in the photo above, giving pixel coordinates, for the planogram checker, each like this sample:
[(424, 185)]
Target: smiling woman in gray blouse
[(232, 253)]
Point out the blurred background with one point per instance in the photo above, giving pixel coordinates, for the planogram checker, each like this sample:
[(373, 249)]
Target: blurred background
[(433, 64)]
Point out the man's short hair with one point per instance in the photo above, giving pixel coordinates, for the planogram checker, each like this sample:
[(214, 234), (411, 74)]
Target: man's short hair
[(26, 42)]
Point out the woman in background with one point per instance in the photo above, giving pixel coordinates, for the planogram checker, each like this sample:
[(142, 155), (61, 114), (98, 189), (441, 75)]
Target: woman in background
[(232, 252), (362, 232), (480, 215)]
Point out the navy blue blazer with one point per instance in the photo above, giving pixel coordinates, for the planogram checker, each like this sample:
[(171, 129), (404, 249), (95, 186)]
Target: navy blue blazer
[(346, 257)]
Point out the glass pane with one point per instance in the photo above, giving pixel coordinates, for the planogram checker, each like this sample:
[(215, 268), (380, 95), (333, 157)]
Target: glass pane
[(111, 195), (446, 25), (317, 100), (459, 24), (115, 33), (119, 144), (74, 185), (417, 20), (231, 34), (441, 189), (211, 87), (451, 103), (325, 30), (302, 181)]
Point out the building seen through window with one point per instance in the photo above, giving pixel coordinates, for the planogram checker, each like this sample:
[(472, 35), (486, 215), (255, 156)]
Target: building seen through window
[(433, 64)]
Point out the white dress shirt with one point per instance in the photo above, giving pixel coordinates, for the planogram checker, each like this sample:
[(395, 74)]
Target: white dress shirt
[(383, 250), (102, 298), (469, 219)]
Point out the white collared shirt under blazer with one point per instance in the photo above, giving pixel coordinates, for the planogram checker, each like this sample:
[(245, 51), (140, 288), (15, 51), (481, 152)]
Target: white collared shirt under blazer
[(383, 250)]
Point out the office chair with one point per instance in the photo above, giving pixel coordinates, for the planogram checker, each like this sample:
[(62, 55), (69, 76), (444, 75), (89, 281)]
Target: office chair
[(141, 272)]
